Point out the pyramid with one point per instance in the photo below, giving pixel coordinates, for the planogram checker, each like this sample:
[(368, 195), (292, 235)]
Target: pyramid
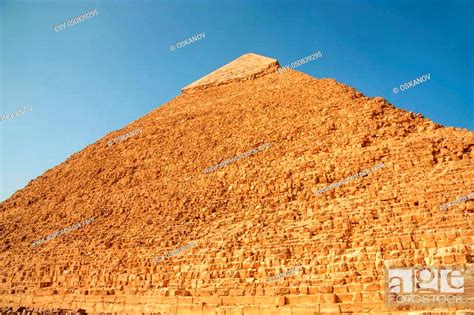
[(252, 192)]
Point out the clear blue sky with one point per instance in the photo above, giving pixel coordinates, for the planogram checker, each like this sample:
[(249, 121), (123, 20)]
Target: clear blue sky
[(105, 72)]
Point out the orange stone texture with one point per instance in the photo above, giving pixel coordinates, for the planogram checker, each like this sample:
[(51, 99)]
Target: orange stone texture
[(234, 233)]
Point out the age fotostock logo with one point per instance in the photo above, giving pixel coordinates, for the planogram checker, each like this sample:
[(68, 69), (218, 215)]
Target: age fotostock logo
[(423, 285)]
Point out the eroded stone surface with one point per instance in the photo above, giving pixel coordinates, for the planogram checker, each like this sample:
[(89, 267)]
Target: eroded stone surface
[(250, 220)]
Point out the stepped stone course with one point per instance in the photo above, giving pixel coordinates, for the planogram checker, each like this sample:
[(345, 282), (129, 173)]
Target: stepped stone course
[(255, 218)]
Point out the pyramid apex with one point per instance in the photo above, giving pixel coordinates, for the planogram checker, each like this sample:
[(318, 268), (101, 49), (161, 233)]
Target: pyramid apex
[(245, 67)]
